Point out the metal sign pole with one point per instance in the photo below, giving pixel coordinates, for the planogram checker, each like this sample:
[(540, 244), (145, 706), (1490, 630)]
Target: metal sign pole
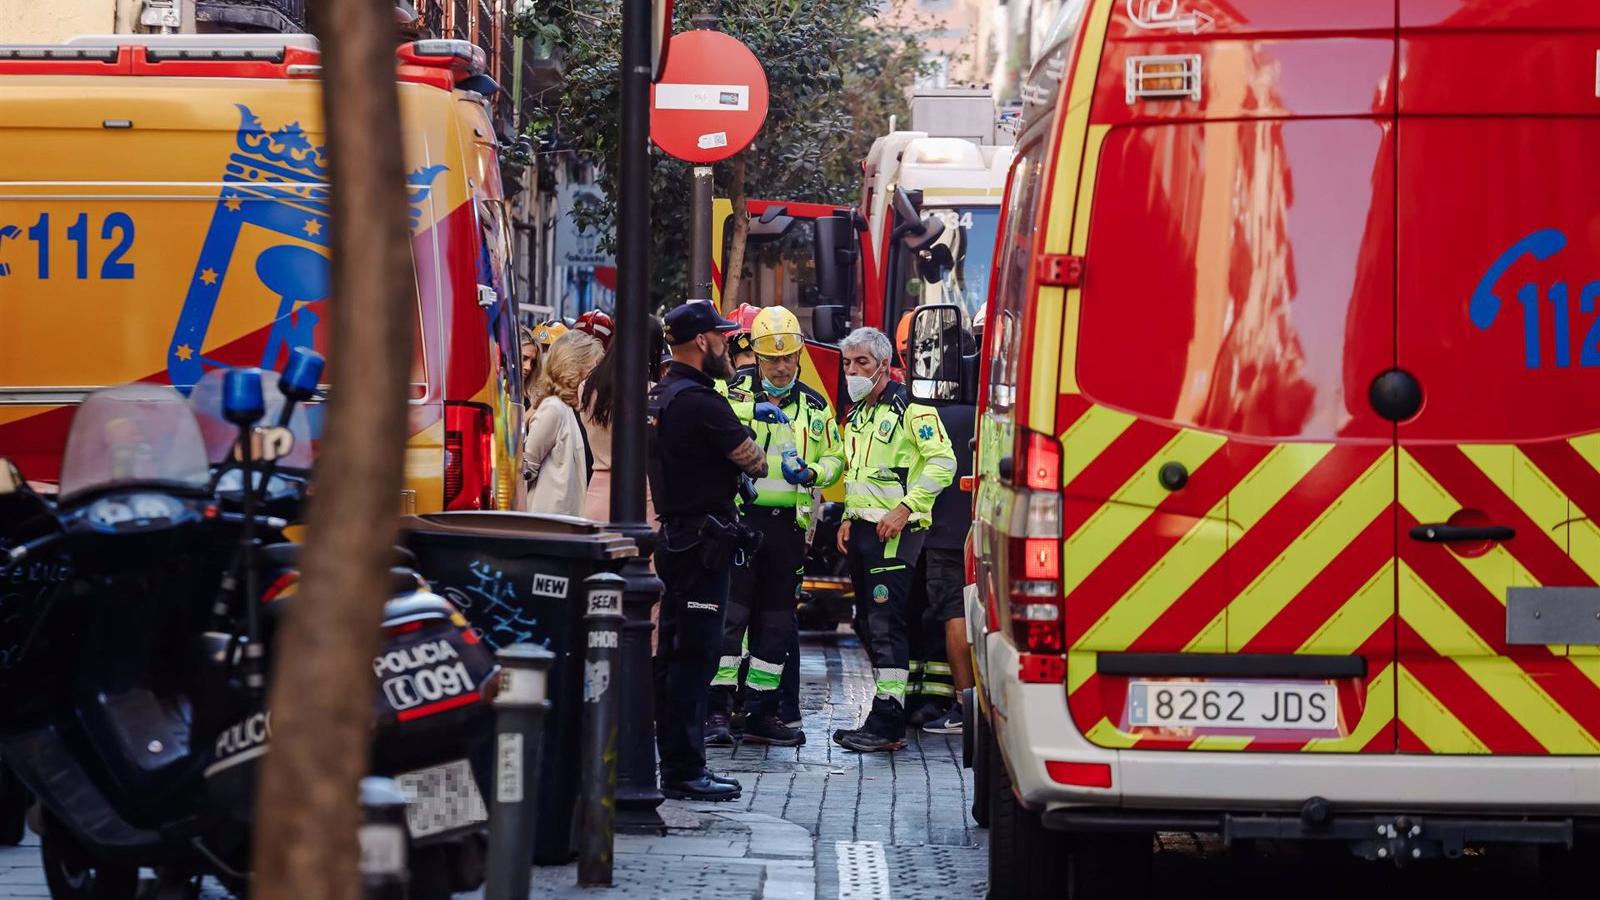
[(700, 199), (637, 792)]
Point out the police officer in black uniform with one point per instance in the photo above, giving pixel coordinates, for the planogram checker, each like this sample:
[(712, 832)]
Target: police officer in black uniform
[(698, 452)]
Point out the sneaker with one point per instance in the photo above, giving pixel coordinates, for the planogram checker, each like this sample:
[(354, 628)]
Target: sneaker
[(949, 723), (702, 788), (768, 730), (719, 732)]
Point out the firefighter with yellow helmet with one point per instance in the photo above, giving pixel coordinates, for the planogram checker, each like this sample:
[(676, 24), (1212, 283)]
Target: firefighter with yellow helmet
[(804, 455)]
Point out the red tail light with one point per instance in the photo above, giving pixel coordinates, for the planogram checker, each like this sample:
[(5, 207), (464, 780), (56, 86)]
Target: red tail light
[(468, 456), (1079, 774), (1033, 554)]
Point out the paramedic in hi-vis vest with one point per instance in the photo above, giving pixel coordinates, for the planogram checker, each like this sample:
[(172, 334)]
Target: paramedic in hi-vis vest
[(804, 455), (897, 460)]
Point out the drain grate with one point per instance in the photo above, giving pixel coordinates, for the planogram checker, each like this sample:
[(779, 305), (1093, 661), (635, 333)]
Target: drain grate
[(938, 871), (863, 871)]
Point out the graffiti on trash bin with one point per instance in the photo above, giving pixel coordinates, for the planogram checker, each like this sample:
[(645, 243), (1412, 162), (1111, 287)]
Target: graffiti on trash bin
[(490, 605)]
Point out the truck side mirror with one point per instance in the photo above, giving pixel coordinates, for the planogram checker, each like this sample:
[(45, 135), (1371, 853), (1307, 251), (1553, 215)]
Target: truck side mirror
[(834, 251), (905, 207), (829, 323), (938, 370)]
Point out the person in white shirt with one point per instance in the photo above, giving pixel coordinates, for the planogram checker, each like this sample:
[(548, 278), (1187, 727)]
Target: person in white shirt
[(553, 452)]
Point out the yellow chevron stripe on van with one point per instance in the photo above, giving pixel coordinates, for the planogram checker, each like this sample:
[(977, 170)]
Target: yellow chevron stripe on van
[(1089, 437), (1161, 585), (1105, 734), (1221, 742), (1311, 552), (1376, 715), (1352, 625), (1115, 520), (1428, 501), (1431, 721), (1271, 480), (1519, 479), (1081, 666), (1501, 678)]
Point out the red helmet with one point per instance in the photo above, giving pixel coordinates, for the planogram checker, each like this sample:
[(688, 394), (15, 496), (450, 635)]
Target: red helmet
[(598, 324), (745, 315)]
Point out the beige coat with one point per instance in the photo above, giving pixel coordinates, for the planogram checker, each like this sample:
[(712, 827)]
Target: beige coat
[(552, 454)]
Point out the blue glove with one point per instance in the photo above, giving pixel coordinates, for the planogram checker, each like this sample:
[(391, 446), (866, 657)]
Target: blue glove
[(795, 470), (771, 414)]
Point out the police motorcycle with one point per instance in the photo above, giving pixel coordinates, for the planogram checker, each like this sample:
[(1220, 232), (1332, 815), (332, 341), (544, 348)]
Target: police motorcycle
[(132, 701)]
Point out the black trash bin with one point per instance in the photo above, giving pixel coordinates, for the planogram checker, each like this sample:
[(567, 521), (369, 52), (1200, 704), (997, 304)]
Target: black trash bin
[(518, 578)]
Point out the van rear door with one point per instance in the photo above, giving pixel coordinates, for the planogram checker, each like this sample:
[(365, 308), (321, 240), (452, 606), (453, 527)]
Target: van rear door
[(1499, 471), (1229, 490)]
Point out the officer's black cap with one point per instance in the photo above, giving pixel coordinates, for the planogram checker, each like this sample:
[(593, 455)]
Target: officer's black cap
[(696, 317)]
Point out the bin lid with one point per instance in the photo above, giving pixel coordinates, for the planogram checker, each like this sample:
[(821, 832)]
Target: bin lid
[(558, 535)]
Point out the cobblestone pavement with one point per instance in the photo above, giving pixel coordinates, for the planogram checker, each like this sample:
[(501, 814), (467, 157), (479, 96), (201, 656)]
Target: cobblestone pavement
[(884, 824), (821, 822), (814, 821)]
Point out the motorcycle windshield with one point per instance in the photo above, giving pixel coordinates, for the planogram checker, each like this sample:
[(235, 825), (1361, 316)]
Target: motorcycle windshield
[(220, 435), (134, 433)]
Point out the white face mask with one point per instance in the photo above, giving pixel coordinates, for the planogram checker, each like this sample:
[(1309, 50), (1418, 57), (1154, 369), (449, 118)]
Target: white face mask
[(859, 386)]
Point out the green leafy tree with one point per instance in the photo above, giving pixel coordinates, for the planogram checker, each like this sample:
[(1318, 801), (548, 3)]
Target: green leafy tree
[(836, 73)]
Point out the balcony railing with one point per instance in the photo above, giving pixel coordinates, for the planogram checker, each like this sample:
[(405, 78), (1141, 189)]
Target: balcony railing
[(282, 16)]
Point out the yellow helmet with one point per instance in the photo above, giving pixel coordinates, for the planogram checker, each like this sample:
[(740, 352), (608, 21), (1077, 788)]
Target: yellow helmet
[(776, 332), (547, 332)]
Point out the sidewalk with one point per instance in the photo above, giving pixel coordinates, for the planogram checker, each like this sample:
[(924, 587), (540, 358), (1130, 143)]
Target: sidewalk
[(814, 821), (817, 820)]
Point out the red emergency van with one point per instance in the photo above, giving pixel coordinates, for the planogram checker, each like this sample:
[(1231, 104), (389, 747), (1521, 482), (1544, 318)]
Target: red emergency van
[(1288, 469)]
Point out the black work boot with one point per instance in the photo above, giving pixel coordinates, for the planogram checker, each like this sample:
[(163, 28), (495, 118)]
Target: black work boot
[(884, 730), (766, 729), (719, 732)]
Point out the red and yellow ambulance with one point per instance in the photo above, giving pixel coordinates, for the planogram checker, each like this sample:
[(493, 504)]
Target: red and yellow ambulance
[(1289, 465), (164, 211)]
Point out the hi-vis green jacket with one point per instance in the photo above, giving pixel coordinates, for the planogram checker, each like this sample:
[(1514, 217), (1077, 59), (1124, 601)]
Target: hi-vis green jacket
[(896, 452), (816, 438)]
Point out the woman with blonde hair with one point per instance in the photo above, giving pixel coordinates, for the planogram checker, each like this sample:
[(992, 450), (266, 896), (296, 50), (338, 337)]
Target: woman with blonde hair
[(553, 452), (530, 364)]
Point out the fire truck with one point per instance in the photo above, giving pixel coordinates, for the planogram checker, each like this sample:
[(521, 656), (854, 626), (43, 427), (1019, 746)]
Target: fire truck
[(924, 233), (1285, 516)]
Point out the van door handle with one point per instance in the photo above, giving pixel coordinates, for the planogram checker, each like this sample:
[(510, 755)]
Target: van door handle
[(1444, 533)]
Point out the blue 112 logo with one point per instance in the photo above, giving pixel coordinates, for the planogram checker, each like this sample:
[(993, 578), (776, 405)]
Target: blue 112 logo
[(1485, 305)]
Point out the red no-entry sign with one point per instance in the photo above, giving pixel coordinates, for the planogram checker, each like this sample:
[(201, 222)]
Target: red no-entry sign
[(711, 100)]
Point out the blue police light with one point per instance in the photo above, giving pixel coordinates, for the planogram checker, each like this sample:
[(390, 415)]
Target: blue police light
[(242, 403), (301, 374)]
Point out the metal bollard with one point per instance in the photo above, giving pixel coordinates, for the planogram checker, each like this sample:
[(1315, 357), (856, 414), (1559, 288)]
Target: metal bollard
[(383, 839), (638, 794), (601, 667), (519, 710)]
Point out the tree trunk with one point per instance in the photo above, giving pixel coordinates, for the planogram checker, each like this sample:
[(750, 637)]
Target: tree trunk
[(733, 274), (321, 694)]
